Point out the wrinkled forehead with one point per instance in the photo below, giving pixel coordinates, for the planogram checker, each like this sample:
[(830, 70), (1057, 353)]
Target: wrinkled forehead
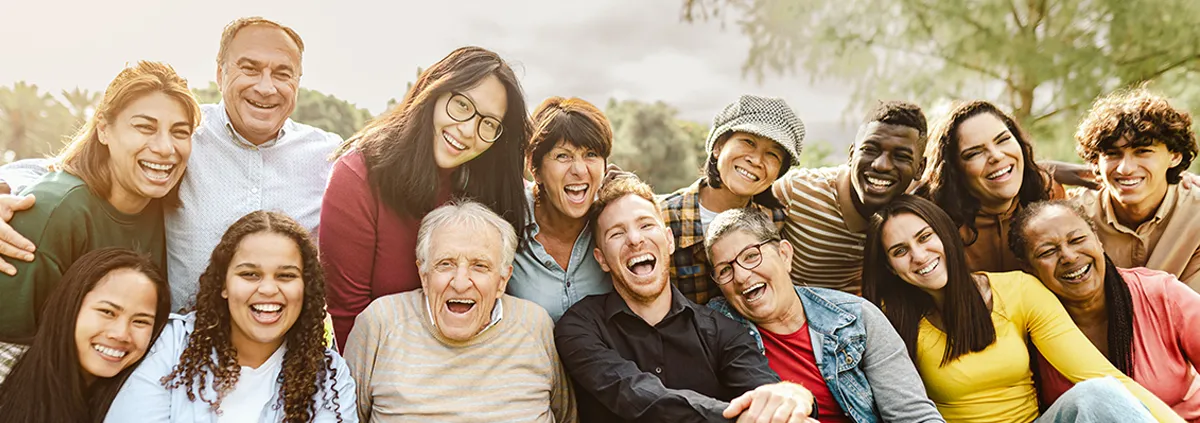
[(629, 208), (261, 42), (467, 239)]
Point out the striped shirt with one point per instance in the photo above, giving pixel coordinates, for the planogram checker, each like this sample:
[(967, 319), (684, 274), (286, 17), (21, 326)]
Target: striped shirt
[(824, 228), (406, 370)]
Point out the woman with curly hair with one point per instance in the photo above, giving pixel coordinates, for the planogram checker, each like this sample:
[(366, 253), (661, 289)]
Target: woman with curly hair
[(1140, 146), (981, 173), (98, 323), (255, 344)]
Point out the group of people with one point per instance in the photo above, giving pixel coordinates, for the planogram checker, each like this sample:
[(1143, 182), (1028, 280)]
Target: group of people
[(179, 262)]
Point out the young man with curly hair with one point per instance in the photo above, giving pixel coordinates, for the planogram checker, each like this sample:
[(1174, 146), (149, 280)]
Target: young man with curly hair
[(1139, 145)]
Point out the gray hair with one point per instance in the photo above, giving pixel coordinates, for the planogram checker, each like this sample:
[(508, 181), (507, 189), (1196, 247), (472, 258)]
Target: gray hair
[(465, 213), (751, 220)]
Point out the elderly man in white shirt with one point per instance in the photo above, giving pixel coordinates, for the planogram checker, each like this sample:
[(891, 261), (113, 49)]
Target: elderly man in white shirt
[(248, 155)]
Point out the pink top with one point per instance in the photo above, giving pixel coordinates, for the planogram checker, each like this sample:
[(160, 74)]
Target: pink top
[(367, 249), (1166, 342)]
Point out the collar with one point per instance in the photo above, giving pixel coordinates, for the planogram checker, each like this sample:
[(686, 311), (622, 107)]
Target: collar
[(497, 314), (815, 304), (845, 197), (689, 205), (614, 304), (238, 138), (1164, 208)]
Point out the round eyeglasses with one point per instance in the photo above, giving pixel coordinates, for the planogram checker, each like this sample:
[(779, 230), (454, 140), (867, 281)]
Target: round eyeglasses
[(461, 109), (749, 258)]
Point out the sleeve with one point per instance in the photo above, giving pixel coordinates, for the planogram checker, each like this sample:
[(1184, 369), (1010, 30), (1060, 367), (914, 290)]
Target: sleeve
[(618, 384), (347, 245), (362, 349), (23, 173), (57, 231), (562, 399), (1191, 272), (899, 393), (782, 187), (1067, 349), (344, 407), (743, 365), (1184, 311), (143, 398)]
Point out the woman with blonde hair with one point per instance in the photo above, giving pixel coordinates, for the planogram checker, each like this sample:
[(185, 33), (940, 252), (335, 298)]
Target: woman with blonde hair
[(109, 190)]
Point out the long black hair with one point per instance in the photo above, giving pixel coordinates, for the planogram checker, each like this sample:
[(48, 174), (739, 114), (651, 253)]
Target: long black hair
[(47, 384), (944, 180), (398, 145), (1118, 299), (964, 313)]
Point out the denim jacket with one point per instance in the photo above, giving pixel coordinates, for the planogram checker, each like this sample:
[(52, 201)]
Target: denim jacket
[(838, 328)]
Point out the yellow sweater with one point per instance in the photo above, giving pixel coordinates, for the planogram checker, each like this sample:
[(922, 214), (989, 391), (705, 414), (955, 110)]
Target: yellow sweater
[(996, 384)]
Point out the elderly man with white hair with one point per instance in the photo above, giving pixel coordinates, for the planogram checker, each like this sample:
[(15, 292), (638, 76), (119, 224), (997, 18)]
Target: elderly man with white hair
[(459, 349)]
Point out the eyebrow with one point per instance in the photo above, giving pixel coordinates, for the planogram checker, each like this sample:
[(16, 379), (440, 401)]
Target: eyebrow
[(998, 136), (477, 109), (147, 117), (918, 233), (258, 64), (122, 309)]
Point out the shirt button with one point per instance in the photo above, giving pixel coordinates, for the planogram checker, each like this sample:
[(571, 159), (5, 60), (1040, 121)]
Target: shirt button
[(848, 360), (658, 370), (548, 263)]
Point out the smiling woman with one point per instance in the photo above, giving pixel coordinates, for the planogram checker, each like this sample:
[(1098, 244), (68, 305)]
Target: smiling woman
[(255, 341), (117, 175), (100, 321), (983, 172)]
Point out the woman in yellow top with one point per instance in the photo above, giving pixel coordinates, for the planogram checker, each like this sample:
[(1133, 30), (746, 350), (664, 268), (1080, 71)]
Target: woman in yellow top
[(968, 333)]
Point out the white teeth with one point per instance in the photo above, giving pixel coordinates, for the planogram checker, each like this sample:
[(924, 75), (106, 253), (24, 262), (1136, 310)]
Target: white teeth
[(266, 308), (1077, 273), (925, 270), (1000, 172), (453, 143), (461, 301), (1129, 182), (639, 259), (576, 187), (259, 105), (753, 287), (115, 353), (157, 166), (880, 182), (748, 175)]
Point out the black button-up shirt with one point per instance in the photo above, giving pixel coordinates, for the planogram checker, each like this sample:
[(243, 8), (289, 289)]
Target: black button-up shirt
[(684, 369)]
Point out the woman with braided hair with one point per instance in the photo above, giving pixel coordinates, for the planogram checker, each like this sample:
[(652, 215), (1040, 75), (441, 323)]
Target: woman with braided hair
[(1146, 322), (254, 348)]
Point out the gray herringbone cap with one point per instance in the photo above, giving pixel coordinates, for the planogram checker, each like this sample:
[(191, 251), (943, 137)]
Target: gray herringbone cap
[(768, 117)]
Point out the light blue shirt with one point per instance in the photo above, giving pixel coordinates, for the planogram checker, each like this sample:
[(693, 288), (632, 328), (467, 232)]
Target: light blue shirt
[(144, 399), (537, 277), (228, 177)]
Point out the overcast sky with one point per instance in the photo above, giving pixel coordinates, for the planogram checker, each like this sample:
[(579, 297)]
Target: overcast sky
[(366, 51)]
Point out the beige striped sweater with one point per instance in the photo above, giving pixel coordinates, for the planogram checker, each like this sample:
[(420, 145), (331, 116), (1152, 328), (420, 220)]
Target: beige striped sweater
[(406, 371), (823, 226)]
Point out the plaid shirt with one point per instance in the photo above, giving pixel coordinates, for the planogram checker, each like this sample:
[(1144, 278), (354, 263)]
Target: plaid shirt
[(690, 268), (9, 354)]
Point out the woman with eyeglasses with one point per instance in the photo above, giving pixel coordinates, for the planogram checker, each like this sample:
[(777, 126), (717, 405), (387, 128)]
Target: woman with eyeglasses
[(460, 131)]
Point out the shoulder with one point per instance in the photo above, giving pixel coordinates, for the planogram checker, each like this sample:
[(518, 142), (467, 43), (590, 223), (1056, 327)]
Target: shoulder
[(821, 177), (60, 196), (352, 162), (396, 309), (835, 297), (174, 337), (308, 134), (589, 309), (527, 313), (675, 200), (1189, 196), (722, 306), (1155, 285)]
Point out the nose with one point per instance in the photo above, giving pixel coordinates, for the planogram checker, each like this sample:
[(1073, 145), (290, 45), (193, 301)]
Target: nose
[(1068, 255), (119, 331), (162, 144), (740, 274), (994, 154), (265, 86), (920, 256), (1125, 165), (634, 237), (467, 129), (461, 280), (268, 287), (578, 167), (883, 163)]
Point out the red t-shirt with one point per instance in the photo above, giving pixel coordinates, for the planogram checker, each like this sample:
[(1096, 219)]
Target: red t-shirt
[(791, 356)]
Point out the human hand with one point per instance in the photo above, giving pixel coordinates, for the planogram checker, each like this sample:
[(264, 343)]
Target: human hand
[(12, 244), (782, 402)]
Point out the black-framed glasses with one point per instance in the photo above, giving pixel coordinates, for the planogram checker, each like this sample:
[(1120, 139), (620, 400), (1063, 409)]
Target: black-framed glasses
[(461, 109), (749, 258)]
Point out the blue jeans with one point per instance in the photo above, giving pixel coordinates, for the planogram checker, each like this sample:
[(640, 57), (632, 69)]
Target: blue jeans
[(1099, 400)]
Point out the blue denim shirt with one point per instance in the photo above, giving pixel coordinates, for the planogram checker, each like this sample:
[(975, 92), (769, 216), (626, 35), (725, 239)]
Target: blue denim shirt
[(537, 277), (839, 342)]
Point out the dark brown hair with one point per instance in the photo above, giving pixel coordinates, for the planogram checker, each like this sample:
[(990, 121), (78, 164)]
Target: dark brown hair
[(1119, 301), (88, 159), (966, 317), (570, 120), (712, 175), (1144, 117), (944, 181), (398, 145), (46, 384), (307, 365)]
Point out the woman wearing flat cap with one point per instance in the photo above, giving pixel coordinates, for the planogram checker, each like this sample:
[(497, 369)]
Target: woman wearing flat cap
[(752, 142)]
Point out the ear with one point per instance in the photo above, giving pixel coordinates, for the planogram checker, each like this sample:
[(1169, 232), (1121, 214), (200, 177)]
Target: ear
[(600, 259), (1176, 158), (505, 274), (670, 239), (785, 250), (225, 293), (220, 74), (421, 275), (1095, 166), (919, 172), (102, 130)]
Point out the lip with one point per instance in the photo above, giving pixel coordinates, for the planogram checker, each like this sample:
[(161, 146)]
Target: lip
[(1140, 181), (747, 175), (1087, 272), (762, 295), (157, 176), (453, 145), (875, 188), (107, 357), (260, 105), (577, 197), (627, 263), (932, 265), (1012, 170), (267, 318)]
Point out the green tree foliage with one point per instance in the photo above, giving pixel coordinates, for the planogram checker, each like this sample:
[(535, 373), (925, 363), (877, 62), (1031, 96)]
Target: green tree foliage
[(650, 140), (1045, 60), (32, 123), (817, 153)]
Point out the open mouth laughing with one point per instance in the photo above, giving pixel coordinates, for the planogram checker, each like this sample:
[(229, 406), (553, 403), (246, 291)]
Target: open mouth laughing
[(460, 305), (453, 143), (929, 268), (1001, 174), (754, 292), (642, 265), (576, 193), (108, 353), (266, 313), (1076, 275), (750, 176), (154, 171)]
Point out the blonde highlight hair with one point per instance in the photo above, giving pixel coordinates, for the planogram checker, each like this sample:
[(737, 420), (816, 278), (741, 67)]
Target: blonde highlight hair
[(87, 158)]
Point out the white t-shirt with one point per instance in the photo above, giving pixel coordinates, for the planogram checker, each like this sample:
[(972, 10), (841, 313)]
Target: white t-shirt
[(706, 216), (253, 391)]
